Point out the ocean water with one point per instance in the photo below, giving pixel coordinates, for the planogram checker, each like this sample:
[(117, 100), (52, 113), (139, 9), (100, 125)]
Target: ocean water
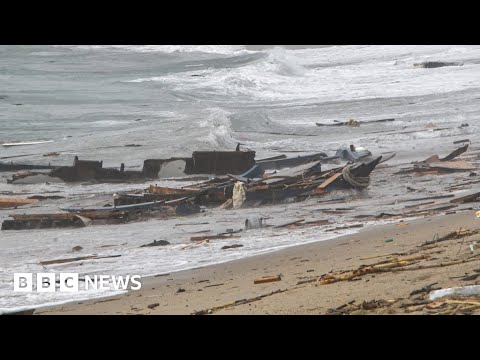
[(172, 100)]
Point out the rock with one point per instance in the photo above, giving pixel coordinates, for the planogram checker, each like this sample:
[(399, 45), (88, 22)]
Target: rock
[(153, 306)]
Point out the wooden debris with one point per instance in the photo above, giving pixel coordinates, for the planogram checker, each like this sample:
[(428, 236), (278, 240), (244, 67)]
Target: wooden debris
[(267, 279), (330, 180), (455, 153), (62, 261), (455, 235), (157, 243), (468, 198), (236, 303), (16, 202), (213, 237), (289, 223), (231, 246)]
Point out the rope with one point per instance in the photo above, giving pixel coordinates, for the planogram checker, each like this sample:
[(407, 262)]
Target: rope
[(356, 182)]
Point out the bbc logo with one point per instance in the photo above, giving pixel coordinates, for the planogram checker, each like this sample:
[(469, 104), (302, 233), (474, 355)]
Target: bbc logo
[(46, 282)]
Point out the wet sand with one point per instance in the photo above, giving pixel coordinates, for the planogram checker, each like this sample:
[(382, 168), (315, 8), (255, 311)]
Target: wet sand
[(210, 288)]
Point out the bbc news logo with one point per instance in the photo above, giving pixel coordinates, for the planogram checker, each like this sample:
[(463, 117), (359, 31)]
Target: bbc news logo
[(70, 282)]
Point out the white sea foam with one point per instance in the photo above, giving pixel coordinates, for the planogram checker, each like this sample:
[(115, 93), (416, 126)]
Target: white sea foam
[(169, 49)]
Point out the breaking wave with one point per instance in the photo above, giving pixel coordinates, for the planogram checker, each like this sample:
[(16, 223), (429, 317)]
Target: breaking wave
[(331, 74), (219, 133), (169, 49)]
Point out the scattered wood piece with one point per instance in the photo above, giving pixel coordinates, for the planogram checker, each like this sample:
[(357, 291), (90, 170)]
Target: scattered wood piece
[(231, 246), (267, 279), (237, 302), (424, 289), (213, 285), (15, 202), (62, 261), (288, 224), (467, 198), (153, 306), (192, 224), (213, 237), (455, 153), (461, 141), (157, 243), (330, 180)]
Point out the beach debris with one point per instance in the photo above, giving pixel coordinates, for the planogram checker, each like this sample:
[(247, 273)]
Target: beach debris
[(454, 235), (238, 197), (424, 289), (234, 246), (157, 243), (45, 221), (436, 64), (213, 285), (237, 303), (180, 290), (472, 290), (15, 202), (388, 240), (77, 248), (46, 197), (255, 222), (52, 154), (461, 141), (153, 306), (267, 279), (294, 222), (467, 198), (201, 162), (455, 153), (434, 165), (354, 123), (132, 145), (16, 167), (63, 261), (213, 237)]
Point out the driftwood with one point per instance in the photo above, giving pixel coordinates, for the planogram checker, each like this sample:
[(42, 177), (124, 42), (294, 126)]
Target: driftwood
[(289, 223), (62, 261), (212, 237), (236, 303), (455, 153), (267, 279), (455, 235)]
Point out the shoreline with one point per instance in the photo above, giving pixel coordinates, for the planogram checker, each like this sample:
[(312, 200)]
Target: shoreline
[(213, 286)]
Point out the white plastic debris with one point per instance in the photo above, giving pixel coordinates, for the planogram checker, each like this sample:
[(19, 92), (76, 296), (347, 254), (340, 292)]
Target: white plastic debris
[(463, 290), (239, 195)]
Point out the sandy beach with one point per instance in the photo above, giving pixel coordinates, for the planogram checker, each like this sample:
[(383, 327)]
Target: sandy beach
[(229, 288)]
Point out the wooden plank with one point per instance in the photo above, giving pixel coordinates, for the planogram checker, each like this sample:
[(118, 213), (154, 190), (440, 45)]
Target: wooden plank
[(267, 279), (212, 237), (330, 180), (14, 202)]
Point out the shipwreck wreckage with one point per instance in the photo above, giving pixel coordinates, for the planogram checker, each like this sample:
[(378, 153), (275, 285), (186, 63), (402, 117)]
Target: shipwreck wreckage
[(239, 181)]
